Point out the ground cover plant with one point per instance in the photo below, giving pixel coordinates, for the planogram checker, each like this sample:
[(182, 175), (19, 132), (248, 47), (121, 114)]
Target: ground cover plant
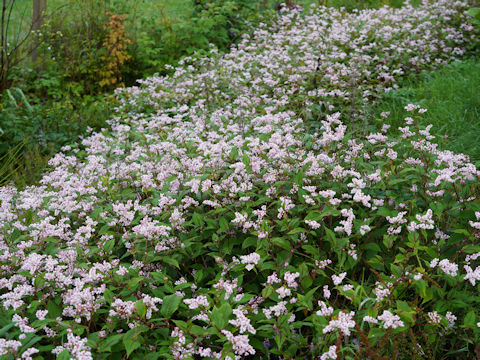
[(228, 212)]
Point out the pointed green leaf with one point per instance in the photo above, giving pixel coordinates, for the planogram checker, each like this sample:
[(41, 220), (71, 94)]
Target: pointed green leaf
[(170, 305)]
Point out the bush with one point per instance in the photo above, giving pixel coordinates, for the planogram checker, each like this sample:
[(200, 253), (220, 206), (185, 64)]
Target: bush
[(85, 45), (162, 40), (209, 222)]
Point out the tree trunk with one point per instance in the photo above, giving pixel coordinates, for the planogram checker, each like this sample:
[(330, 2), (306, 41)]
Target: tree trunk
[(39, 8)]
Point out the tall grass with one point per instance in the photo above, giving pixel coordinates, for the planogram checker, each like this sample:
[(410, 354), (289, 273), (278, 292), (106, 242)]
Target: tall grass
[(452, 97)]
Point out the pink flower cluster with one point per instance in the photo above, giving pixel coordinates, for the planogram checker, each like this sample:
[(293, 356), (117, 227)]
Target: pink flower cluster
[(211, 201)]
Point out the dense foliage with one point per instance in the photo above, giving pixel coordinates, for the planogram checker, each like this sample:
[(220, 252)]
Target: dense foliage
[(229, 213)]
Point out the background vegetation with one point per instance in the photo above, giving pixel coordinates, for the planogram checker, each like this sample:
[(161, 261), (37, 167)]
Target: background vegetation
[(451, 97)]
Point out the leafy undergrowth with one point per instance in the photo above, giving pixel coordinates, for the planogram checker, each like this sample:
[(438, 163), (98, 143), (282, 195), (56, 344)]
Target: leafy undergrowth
[(209, 222), (451, 97)]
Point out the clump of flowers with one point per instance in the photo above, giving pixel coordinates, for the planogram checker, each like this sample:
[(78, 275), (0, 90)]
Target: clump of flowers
[(209, 221)]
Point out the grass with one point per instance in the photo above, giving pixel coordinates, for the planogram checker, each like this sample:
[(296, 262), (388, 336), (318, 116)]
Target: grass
[(451, 96), (20, 160), (176, 9)]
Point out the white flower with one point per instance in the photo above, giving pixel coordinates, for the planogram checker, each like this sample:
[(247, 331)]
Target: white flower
[(251, 260), (390, 320), (337, 280), (344, 323)]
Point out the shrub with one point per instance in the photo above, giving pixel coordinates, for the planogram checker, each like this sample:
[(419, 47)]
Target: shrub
[(209, 222), (63, 88), (162, 39), (115, 44), (71, 42)]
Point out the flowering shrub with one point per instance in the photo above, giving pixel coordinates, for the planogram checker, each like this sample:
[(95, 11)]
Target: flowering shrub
[(209, 223)]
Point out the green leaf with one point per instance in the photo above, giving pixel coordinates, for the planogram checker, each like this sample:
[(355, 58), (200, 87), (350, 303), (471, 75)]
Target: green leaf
[(397, 181), (421, 285), (170, 305), (396, 270), (54, 310), (233, 153), (221, 315), (197, 219), (388, 241), (469, 321), (130, 341), (108, 295), (319, 215), (283, 243), (158, 276), (64, 355), (171, 261), (109, 342), (134, 283), (224, 225), (464, 349), (403, 305), (336, 242), (6, 328), (474, 12), (197, 330), (280, 339), (428, 295), (33, 340), (373, 247), (307, 299), (298, 179), (141, 308), (406, 312), (306, 282), (297, 230), (251, 241), (246, 160), (376, 333), (109, 245), (182, 325), (331, 236), (198, 276), (103, 229)]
